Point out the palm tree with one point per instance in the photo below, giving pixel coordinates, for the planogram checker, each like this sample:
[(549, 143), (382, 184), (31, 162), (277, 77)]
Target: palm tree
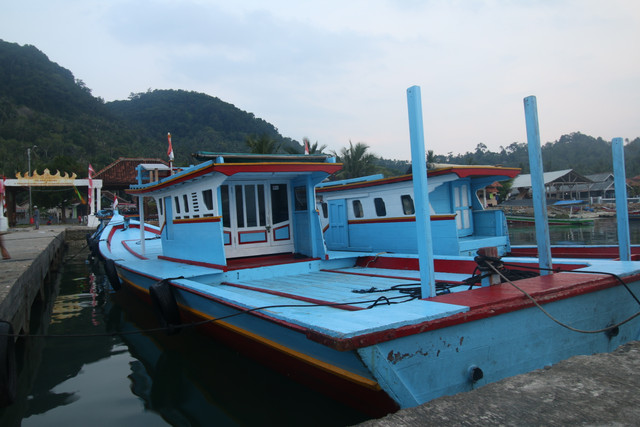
[(262, 145), (356, 162), (313, 148)]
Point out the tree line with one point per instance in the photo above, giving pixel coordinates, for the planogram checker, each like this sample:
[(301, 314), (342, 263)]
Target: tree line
[(45, 110)]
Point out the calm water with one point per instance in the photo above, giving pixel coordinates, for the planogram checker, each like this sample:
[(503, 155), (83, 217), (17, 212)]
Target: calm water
[(602, 232), (146, 379), (181, 380)]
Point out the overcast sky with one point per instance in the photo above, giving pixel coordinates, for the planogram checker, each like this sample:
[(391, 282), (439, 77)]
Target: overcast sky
[(338, 71)]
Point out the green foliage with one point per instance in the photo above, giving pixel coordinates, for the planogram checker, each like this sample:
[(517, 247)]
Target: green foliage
[(43, 105), (356, 161), (262, 145)]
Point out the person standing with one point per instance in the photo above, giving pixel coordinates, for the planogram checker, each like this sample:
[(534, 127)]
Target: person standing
[(36, 217)]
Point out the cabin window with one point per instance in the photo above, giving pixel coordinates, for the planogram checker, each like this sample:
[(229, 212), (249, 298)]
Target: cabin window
[(160, 206), (358, 212), (177, 204), (261, 206), (186, 203), (381, 210), (207, 196), (325, 210), (279, 203), (239, 206), (250, 204), (224, 201), (300, 198), (407, 205)]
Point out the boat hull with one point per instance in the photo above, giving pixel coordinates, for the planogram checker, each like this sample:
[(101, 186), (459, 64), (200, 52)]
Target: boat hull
[(339, 375)]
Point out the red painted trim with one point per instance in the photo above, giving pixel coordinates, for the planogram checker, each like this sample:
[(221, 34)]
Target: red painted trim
[(445, 217), (295, 297), (198, 220), (484, 303), (235, 168), (126, 246), (274, 233), (365, 184), (461, 171), (604, 252), (230, 239), (252, 232), (192, 262)]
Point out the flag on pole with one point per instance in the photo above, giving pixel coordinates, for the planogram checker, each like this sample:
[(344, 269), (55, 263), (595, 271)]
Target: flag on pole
[(306, 146), (91, 172), (115, 202), (170, 150)]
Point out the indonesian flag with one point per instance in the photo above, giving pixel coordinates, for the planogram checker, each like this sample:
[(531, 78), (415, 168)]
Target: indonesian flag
[(306, 146), (170, 150), (115, 202), (91, 172)]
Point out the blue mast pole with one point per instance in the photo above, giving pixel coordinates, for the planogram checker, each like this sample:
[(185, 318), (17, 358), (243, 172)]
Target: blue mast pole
[(421, 193), (622, 214), (537, 184)]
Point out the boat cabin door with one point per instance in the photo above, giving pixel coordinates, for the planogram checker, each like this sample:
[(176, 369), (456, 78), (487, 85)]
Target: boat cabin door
[(461, 197), (256, 218)]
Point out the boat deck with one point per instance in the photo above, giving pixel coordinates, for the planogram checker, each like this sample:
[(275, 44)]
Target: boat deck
[(359, 297)]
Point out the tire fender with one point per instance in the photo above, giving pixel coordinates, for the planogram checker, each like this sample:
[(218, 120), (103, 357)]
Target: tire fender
[(112, 274), (164, 302)]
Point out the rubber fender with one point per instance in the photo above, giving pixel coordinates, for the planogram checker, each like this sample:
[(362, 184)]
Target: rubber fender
[(112, 274), (8, 367), (164, 302)]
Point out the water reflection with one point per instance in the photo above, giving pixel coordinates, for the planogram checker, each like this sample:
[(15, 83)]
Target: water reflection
[(602, 232), (138, 379)]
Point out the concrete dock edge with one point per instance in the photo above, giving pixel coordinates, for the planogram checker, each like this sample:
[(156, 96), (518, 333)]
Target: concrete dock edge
[(596, 390)]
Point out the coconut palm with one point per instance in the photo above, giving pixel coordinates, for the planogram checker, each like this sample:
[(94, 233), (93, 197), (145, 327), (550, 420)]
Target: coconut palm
[(356, 161), (313, 148), (262, 145)]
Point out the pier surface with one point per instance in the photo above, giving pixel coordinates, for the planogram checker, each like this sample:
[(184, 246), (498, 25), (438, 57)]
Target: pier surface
[(602, 389), (34, 255)]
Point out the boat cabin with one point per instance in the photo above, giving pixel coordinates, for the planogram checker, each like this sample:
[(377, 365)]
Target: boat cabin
[(377, 214), (239, 205)]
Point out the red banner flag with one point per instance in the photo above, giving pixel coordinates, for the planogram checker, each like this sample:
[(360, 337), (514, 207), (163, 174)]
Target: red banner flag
[(170, 150)]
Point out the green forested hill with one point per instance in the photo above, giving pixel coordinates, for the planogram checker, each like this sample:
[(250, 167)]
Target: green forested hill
[(42, 105), (196, 122)]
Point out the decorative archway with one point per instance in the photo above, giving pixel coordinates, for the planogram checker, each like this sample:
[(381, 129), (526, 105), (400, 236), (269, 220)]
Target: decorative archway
[(46, 179)]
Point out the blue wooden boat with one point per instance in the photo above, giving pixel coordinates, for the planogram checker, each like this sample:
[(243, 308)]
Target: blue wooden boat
[(241, 246), (378, 214), (240, 249)]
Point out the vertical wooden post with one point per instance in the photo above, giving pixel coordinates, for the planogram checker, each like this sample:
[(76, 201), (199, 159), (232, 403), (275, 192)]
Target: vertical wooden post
[(141, 212), (421, 193), (537, 184), (622, 213)]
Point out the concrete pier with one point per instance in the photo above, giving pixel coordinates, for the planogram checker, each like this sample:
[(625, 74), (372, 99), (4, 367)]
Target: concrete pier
[(35, 254), (597, 390)]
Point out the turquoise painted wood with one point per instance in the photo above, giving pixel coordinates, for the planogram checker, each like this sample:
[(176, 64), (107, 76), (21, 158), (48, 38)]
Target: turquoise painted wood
[(537, 183), (622, 212), (421, 192)]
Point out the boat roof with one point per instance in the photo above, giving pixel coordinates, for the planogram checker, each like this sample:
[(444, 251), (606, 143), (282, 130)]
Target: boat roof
[(248, 169), (498, 173), (249, 157)]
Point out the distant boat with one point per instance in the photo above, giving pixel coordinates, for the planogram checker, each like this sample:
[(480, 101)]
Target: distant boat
[(529, 220)]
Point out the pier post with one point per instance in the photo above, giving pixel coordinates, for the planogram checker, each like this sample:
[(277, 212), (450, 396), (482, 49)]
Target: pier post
[(421, 193), (622, 213), (537, 184)]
